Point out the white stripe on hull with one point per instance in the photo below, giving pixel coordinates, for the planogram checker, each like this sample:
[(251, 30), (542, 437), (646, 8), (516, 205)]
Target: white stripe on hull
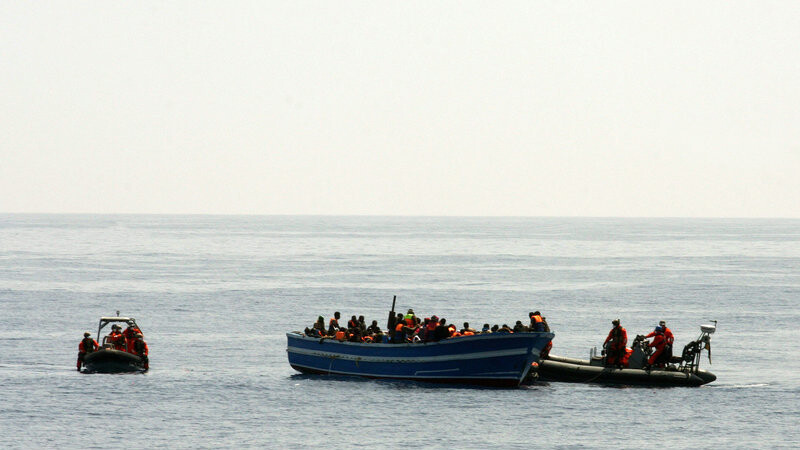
[(410, 359), (485, 376)]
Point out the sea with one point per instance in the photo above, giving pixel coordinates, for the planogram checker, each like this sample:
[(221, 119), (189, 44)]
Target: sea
[(216, 295)]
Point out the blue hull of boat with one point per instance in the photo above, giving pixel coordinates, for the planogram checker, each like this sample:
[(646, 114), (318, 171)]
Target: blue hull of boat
[(486, 359)]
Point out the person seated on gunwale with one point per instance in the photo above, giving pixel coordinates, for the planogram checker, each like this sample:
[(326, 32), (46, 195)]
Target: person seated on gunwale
[(467, 331), (352, 323), (340, 335), (453, 331), (442, 330), (319, 325), (495, 328), (429, 330), (519, 327), (354, 334), (417, 329), (317, 329), (362, 324), (505, 329), (333, 324), (374, 328), (397, 335), (486, 328), (380, 338)]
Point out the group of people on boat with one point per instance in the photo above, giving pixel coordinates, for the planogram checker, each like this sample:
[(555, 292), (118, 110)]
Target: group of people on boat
[(617, 353), (130, 340), (410, 328)]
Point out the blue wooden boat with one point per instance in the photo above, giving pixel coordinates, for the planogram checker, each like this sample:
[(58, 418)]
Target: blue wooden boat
[(495, 359)]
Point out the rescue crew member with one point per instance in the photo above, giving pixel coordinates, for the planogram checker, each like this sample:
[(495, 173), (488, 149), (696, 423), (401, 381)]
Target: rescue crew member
[(669, 339), (130, 337), (87, 345), (116, 338), (141, 350), (333, 324), (660, 343), (615, 344)]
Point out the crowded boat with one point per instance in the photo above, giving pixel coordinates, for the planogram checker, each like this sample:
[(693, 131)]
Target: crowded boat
[(410, 328)]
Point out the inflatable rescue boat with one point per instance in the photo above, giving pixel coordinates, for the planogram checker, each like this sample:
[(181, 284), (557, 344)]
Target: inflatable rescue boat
[(108, 360), (681, 370)]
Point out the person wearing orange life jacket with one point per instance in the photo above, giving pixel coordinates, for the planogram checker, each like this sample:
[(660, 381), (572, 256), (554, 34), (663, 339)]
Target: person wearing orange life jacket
[(116, 338), (467, 330), (453, 331), (318, 329), (354, 334), (130, 337), (353, 323), (615, 344), (536, 321), (429, 328), (659, 343), (340, 335), (141, 349), (399, 333), (87, 345), (669, 338), (333, 324)]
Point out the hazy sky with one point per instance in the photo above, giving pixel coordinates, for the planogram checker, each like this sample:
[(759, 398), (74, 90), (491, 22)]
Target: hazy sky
[(521, 108)]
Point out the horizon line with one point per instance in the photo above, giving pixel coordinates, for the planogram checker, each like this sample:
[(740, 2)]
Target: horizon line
[(464, 216)]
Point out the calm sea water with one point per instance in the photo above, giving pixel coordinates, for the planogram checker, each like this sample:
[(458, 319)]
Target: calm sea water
[(215, 296)]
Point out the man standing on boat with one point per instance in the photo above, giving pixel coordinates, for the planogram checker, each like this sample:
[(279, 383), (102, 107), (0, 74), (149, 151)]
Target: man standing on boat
[(141, 350), (615, 344), (660, 344), (87, 345)]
